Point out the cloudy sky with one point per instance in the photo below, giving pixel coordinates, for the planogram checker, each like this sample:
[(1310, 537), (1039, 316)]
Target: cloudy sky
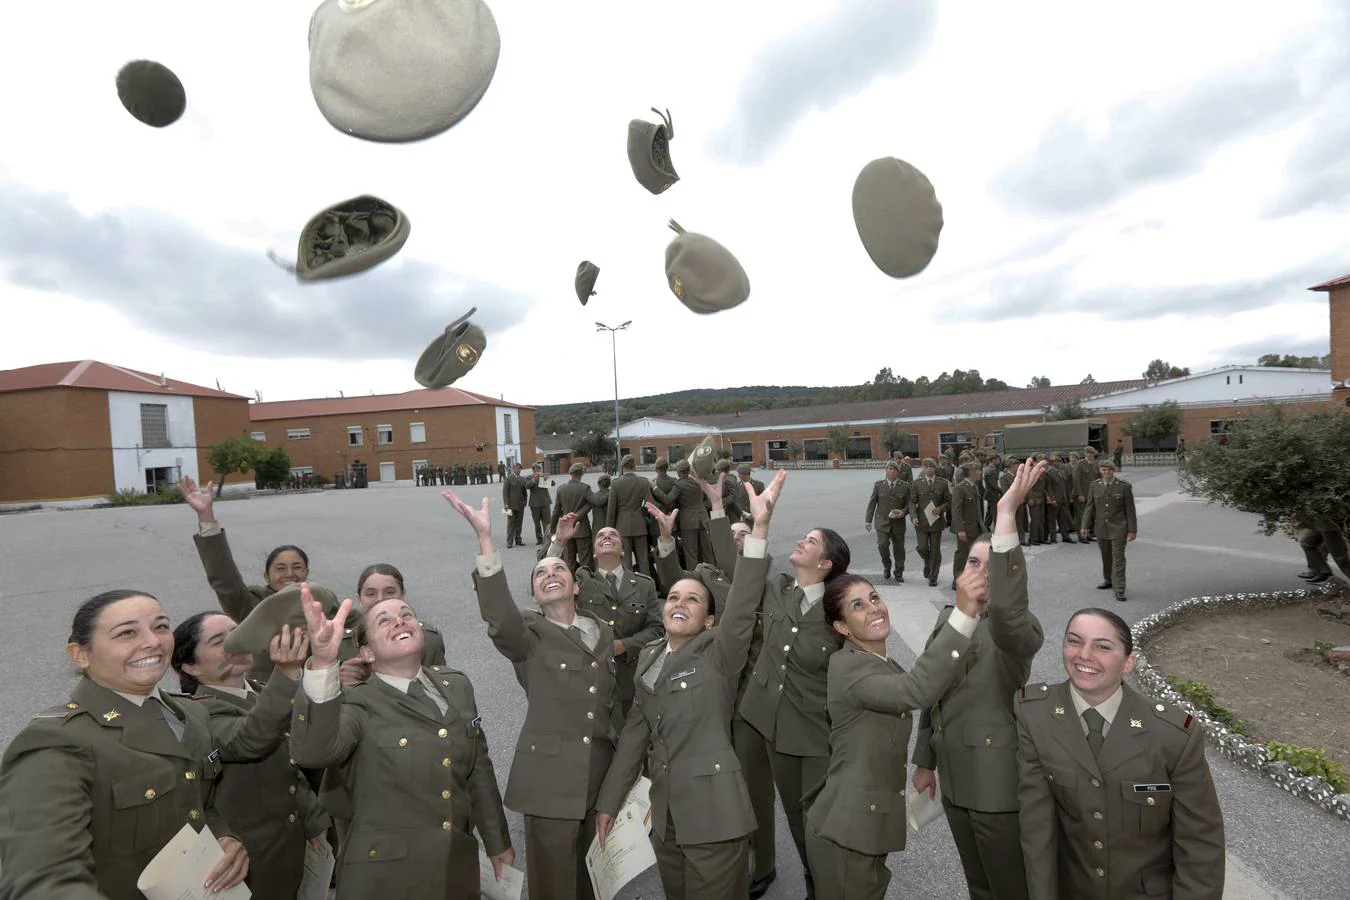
[(1119, 182)]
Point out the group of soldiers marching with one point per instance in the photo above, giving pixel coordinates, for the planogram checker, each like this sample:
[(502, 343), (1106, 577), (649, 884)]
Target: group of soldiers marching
[(480, 472)]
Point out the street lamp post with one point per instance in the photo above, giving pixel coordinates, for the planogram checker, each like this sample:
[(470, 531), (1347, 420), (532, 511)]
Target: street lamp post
[(614, 349)]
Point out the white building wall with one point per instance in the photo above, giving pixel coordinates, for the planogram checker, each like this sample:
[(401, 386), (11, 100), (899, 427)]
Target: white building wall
[(508, 451), (658, 428), (1224, 386), (129, 460)]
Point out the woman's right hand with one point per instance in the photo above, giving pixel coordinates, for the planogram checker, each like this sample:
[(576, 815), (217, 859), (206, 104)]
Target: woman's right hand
[(604, 824), (567, 528), (325, 634), (762, 505), (480, 520), (200, 500), (664, 521), (924, 780)]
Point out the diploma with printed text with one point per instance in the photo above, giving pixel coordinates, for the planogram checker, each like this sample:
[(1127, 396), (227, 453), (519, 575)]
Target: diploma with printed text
[(178, 870), (319, 862), (628, 849), (509, 888), (931, 513)]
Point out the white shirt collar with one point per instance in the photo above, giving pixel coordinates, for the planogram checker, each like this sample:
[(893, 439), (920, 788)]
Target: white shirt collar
[(811, 594), (1108, 707), (608, 572), (401, 684)]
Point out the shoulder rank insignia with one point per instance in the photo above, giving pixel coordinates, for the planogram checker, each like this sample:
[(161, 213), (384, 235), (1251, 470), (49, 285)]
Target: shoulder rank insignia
[(1034, 691)]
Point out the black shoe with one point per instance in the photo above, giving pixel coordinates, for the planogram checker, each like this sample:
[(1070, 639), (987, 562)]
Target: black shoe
[(1120, 597), (932, 582), (760, 886), (1104, 586), (899, 577), (1306, 574), (886, 574), (1318, 579), (1026, 543), (953, 584), (1070, 539)]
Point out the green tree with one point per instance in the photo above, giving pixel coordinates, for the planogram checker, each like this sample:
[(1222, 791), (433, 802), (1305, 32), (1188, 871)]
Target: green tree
[(837, 439), (593, 445), (1088, 380), (1040, 381), (894, 438), (234, 455), (1159, 370), (1289, 361), (1069, 409), (1285, 467), (1154, 423), (273, 469), (795, 449)]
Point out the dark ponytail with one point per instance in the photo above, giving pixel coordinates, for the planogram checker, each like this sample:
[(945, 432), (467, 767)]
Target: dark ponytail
[(186, 637)]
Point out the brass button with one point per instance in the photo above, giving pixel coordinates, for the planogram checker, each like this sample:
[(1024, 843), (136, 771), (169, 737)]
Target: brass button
[(783, 667), (594, 664), (291, 818), (1101, 873), (562, 665), (787, 648), (590, 715), (403, 742), (1150, 801), (150, 793), (956, 654), (871, 807), (1096, 845), (291, 790), (435, 668), (1044, 688), (1095, 783), (190, 775), (72, 706), (532, 748), (300, 718), (586, 740), (372, 854), (194, 815), (1160, 707), (683, 685), (780, 687), (442, 733), (592, 689), (1049, 777), (988, 741), (446, 683), (446, 825), (717, 767), (794, 629), (1097, 815), (445, 763), (445, 795), (348, 631)]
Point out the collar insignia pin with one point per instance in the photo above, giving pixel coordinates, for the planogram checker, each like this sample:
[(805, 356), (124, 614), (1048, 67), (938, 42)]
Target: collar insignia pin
[(110, 715), (1059, 710), (1136, 723)]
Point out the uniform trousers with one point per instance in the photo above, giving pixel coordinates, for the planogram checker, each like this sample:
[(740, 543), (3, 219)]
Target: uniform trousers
[(635, 548), (578, 552), (697, 545), (1324, 543), (715, 871), (795, 777), (991, 508), (1076, 514), (990, 845), (844, 874), (930, 548), (555, 857), (540, 514), (1061, 517), (753, 752), (1036, 520), (513, 526), (1023, 523), (1113, 562), (891, 542)]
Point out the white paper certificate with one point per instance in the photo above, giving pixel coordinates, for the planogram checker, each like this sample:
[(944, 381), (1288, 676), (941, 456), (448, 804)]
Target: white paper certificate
[(628, 849), (318, 872), (921, 808), (178, 870), (931, 512), (513, 880)]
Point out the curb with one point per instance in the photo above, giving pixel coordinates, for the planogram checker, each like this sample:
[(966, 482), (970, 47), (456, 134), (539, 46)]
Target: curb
[(1236, 747)]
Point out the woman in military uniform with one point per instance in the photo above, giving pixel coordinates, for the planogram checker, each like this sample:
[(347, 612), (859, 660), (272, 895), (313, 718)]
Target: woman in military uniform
[(379, 582), (857, 815), (93, 788), (287, 564), (680, 726), (1116, 799), (784, 696), (269, 804), (413, 755)]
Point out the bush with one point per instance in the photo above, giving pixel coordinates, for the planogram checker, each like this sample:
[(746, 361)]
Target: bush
[(1201, 698), (1311, 761), (133, 497)]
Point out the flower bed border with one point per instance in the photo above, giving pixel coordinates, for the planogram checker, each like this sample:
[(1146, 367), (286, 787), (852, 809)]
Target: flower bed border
[(1237, 747)]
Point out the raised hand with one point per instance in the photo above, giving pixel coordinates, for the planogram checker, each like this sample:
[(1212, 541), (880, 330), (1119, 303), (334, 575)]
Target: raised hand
[(325, 634), (199, 499), (1016, 494), (480, 520), (289, 649), (713, 490), (567, 528), (665, 520), (762, 505)]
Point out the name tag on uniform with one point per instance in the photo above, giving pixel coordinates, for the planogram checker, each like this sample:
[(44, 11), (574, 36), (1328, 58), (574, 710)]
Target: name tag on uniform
[(214, 757), (475, 726), (1152, 788), (684, 674)]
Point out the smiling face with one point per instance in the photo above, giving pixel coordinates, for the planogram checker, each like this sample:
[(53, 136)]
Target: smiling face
[(1094, 657), (392, 632), (608, 543), (552, 583), (287, 567), (129, 646), (378, 588), (809, 552), (212, 664), (866, 618), (739, 532), (686, 612)]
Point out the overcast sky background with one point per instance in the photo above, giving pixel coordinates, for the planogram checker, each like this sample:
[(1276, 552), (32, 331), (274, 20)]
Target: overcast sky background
[(1119, 182)]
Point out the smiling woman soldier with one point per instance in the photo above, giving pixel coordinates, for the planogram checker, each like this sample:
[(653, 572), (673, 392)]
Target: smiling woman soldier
[(680, 725)]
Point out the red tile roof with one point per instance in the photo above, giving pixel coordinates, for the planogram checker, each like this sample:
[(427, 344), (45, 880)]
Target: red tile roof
[(952, 405), (100, 376), (1343, 281), (347, 406)]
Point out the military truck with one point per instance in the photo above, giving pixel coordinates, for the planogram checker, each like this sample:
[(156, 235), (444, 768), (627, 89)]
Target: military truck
[(1070, 435)]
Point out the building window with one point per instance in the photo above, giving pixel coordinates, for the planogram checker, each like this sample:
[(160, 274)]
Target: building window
[(259, 436), (302, 470), (297, 434), (417, 433), (384, 434), (815, 449), (356, 436), (777, 450), (675, 453), (648, 456), (957, 440), (154, 425), (859, 448), (508, 432), (742, 451)]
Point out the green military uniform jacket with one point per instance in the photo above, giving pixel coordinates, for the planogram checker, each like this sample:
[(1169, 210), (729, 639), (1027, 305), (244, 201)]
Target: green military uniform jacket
[(575, 497), (736, 497), (969, 735), (627, 493), (633, 613), (784, 697), (1084, 473), (513, 492), (574, 715), (993, 484), (420, 783), (268, 804), (601, 510), (861, 803), (92, 789), (939, 493), (539, 497), (886, 496), (1058, 484), (682, 727), (1109, 510), (687, 497), (1140, 821), (966, 516)]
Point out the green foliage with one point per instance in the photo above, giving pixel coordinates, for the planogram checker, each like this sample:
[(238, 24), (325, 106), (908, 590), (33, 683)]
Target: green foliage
[(894, 438), (133, 497), (1088, 380), (1289, 361), (837, 438), (1154, 423), (1285, 467), (1039, 381), (234, 454), (1201, 698), (795, 449), (1063, 412), (272, 469), (1311, 761), (594, 445), (1159, 370)]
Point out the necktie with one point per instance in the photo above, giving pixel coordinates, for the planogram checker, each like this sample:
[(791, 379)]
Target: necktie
[(1094, 721), (418, 692), (175, 724), (614, 582)]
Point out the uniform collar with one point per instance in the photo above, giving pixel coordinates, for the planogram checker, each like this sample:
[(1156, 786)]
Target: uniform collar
[(139, 699), (1108, 707)]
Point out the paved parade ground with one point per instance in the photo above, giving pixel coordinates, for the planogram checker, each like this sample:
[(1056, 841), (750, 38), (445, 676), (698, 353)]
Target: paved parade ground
[(51, 560)]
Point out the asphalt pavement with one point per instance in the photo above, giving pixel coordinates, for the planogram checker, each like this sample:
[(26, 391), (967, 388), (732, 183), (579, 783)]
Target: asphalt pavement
[(50, 561)]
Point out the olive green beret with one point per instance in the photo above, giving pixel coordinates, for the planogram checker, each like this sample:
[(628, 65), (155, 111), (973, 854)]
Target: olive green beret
[(627, 461), (452, 354), (743, 468), (703, 273), (151, 92), (587, 272), (717, 584), (723, 465), (347, 238), (649, 152), (703, 459), (1107, 463), (682, 466), (264, 621), (661, 463), (897, 215), (400, 70), (577, 469)]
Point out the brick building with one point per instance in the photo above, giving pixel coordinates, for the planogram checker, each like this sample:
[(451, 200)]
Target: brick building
[(1209, 401), (1338, 299), (394, 434), (79, 431)]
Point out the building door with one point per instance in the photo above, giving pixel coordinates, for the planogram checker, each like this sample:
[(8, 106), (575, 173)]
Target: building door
[(159, 480), (386, 471)]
